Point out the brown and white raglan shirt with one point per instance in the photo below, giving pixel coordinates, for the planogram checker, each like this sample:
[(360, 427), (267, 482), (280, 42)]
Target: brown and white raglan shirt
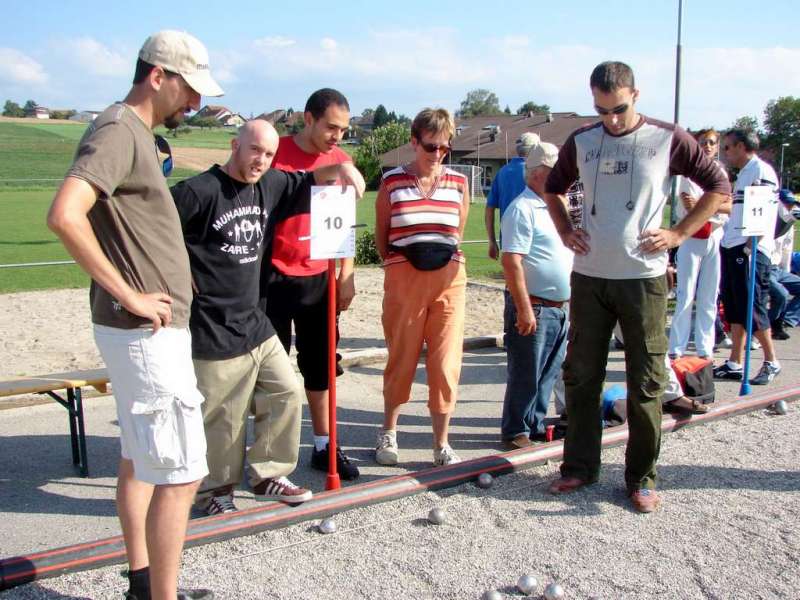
[(626, 180)]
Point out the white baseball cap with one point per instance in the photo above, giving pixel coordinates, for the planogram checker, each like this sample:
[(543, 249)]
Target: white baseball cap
[(542, 153), (181, 53)]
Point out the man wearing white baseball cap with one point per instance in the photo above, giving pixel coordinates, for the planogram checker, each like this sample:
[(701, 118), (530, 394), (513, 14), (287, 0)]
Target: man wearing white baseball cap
[(115, 215), (537, 267)]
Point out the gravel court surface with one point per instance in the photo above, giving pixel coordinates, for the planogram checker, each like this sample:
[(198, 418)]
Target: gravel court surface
[(727, 529)]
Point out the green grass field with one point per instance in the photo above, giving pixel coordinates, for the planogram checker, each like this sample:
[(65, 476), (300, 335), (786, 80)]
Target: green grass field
[(40, 153)]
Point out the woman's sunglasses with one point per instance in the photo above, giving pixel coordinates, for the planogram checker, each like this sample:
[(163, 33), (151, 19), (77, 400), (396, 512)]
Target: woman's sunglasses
[(428, 147)]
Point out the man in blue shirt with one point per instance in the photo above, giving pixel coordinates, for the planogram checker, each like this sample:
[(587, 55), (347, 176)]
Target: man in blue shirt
[(537, 267), (507, 185)]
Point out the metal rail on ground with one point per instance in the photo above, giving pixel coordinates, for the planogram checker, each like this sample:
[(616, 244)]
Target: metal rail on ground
[(52, 563)]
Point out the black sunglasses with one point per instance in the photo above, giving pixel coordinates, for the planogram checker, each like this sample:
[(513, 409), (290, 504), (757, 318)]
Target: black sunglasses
[(708, 143), (428, 147), (617, 110), (163, 146)]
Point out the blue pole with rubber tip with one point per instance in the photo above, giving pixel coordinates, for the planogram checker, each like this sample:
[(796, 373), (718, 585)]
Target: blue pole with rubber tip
[(744, 390)]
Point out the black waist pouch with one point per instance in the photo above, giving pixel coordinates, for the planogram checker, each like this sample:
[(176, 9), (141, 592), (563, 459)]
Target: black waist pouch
[(427, 256)]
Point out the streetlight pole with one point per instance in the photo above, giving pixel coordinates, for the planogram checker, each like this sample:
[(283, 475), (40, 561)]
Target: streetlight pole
[(673, 201), (784, 145)]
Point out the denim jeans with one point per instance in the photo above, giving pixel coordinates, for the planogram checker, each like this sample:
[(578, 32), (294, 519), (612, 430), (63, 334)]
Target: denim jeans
[(782, 286), (534, 363)]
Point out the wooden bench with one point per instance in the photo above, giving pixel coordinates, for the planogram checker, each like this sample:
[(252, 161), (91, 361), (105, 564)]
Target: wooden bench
[(72, 382)]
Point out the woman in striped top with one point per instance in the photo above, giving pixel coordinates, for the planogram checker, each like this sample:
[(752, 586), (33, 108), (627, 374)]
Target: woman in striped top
[(420, 211)]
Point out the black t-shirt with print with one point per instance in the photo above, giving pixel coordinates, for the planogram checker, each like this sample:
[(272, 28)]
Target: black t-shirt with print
[(227, 225)]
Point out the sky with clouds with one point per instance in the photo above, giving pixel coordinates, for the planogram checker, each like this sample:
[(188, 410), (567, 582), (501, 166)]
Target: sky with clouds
[(736, 55)]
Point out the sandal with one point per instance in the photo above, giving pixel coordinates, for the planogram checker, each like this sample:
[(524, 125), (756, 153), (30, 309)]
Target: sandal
[(696, 408)]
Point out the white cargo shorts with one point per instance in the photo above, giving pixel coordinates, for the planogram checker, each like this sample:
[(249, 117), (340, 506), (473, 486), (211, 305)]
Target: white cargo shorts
[(158, 403)]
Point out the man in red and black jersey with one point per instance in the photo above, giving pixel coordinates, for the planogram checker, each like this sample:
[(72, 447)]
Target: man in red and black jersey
[(294, 284)]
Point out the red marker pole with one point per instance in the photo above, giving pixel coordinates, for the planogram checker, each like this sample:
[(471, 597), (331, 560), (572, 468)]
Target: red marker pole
[(332, 482)]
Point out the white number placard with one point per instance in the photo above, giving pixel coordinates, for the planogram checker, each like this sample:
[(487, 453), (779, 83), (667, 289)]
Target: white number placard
[(759, 211), (333, 215)]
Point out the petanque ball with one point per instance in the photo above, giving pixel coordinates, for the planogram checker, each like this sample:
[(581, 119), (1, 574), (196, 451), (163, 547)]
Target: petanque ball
[(527, 584), (492, 595), (780, 407), (553, 591), (485, 481), (436, 516), (327, 526)]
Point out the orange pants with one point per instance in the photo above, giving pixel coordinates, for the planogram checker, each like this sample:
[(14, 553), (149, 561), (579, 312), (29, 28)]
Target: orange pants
[(423, 306)]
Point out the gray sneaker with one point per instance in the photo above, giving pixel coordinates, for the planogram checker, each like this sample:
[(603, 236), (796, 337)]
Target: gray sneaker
[(766, 374), (386, 450), (445, 456)]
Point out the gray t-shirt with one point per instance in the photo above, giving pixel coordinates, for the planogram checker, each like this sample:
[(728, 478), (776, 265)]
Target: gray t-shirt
[(134, 218), (626, 182)]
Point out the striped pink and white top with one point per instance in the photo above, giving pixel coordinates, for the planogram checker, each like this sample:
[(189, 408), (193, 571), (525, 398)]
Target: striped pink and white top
[(417, 217)]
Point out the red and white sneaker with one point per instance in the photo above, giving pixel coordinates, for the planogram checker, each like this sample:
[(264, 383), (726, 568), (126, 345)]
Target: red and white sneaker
[(281, 489)]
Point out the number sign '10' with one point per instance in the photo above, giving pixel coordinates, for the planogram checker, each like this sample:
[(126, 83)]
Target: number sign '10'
[(333, 215)]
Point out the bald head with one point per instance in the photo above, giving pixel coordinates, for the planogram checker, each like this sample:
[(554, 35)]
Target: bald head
[(252, 151)]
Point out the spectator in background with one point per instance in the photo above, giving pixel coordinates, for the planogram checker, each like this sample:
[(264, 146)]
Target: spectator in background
[(741, 147), (506, 186), (420, 213), (698, 265), (536, 266), (783, 284)]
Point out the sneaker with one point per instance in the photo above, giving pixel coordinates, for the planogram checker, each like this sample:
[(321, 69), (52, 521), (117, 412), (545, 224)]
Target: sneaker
[(346, 469), (755, 344), (182, 595), (386, 451), (220, 502), (280, 488), (725, 371), (645, 500), (766, 374), (445, 456)]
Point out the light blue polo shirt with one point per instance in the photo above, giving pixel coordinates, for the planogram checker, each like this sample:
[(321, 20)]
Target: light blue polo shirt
[(528, 230)]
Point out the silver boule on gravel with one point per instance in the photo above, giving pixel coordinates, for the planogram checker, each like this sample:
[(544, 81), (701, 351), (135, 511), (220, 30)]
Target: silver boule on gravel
[(493, 595), (485, 481), (436, 516), (527, 584), (780, 407), (553, 591), (327, 526)]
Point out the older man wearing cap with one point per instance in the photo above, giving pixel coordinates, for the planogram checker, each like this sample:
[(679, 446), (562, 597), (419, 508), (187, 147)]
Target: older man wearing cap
[(537, 267), (115, 215), (507, 185)]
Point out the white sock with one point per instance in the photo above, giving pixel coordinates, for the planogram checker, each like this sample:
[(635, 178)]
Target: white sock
[(733, 365), (392, 433), (774, 363), (320, 441)]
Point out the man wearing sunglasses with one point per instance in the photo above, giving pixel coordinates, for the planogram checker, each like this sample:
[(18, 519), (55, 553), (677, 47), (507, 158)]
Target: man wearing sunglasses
[(116, 217), (740, 148), (625, 163)]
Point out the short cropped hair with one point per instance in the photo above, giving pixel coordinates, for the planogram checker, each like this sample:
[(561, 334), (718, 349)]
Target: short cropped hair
[(611, 76), (319, 101), (143, 70), (745, 136), (433, 121), (707, 132)]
